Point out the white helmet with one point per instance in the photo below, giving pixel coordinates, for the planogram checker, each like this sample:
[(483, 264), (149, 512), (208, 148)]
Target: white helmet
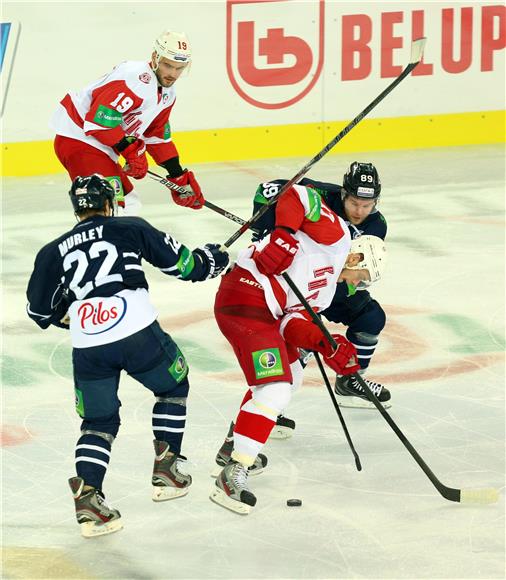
[(174, 46)]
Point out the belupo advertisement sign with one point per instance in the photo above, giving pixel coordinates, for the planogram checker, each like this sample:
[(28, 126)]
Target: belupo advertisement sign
[(271, 63), (276, 49)]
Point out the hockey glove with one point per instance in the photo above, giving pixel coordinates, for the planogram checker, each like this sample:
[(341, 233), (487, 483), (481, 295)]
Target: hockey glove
[(214, 259), (278, 254), (135, 156), (343, 359), (194, 198)]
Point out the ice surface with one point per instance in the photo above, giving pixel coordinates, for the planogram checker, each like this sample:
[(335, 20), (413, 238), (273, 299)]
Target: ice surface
[(441, 354)]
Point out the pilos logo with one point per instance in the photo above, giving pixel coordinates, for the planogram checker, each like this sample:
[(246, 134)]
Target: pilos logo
[(274, 61), (98, 315), (9, 34), (267, 363)]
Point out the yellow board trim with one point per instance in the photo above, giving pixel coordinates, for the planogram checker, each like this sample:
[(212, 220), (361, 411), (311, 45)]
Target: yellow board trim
[(303, 140)]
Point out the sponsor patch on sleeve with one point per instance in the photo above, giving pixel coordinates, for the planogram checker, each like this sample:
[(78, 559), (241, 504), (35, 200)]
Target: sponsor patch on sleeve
[(107, 117)]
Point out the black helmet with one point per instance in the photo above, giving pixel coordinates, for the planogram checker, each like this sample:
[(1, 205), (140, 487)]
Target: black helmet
[(362, 180), (91, 192)]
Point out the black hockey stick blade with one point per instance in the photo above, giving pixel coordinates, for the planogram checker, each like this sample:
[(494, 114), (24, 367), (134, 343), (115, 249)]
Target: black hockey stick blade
[(338, 411), (180, 189), (476, 496), (472, 496), (416, 55)]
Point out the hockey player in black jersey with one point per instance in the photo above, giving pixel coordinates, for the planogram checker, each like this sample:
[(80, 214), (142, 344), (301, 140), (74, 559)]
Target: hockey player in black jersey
[(356, 202), (91, 280)]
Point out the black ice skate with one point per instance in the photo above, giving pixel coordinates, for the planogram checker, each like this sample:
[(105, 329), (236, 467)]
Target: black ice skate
[(95, 517), (231, 489), (283, 429), (168, 480), (224, 456), (350, 393)]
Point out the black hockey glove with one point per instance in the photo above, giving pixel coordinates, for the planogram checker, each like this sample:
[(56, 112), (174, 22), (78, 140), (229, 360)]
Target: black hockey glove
[(214, 258)]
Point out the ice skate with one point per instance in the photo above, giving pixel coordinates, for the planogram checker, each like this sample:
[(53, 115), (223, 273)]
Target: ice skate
[(350, 393), (283, 429), (231, 489), (168, 480), (223, 456), (95, 517)]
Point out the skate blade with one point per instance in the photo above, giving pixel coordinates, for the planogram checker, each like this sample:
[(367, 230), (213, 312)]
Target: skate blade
[(93, 530), (350, 402), (221, 498), (167, 492), (279, 432)]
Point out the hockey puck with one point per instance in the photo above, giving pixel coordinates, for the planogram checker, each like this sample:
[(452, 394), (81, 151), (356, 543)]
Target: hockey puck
[(294, 502)]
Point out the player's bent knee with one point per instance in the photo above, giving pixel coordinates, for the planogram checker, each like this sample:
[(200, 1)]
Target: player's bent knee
[(105, 427), (273, 396), (365, 337)]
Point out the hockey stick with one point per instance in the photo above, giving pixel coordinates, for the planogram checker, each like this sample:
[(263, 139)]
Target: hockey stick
[(417, 47), (180, 189), (476, 496), (338, 411)]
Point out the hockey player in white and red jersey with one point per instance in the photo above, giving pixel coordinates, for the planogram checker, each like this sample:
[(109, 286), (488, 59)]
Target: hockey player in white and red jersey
[(265, 324), (124, 114)]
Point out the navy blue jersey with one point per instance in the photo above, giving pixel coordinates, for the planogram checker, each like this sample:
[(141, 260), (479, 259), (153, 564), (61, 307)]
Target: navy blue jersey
[(373, 225), (100, 257)]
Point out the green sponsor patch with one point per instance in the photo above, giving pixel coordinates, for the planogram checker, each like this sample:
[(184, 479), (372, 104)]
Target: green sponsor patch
[(166, 131), (107, 117), (315, 205), (186, 262), (267, 363), (115, 181), (79, 402), (179, 369)]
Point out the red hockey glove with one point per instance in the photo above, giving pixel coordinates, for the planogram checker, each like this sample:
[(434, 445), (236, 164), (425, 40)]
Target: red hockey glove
[(135, 157), (278, 254), (343, 360), (194, 198)]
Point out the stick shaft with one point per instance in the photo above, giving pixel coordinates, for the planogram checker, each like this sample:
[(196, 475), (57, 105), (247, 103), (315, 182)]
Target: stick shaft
[(416, 53), (338, 411), (447, 492), (180, 189)]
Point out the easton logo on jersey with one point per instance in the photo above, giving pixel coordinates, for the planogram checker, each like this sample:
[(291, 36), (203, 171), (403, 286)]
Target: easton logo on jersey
[(98, 316)]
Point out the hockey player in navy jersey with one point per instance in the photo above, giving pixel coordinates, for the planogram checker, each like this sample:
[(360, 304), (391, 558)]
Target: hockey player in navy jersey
[(356, 202), (91, 280)]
